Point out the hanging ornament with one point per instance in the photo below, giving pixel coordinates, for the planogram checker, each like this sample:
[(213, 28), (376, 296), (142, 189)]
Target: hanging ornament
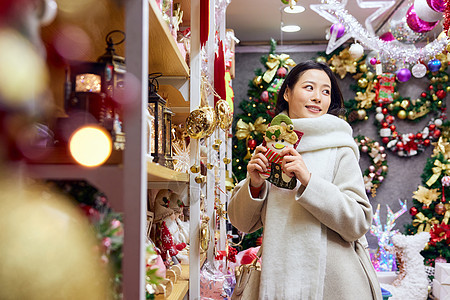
[(387, 37), (356, 51), (321, 59), (440, 208), (281, 72), (201, 122), (257, 81), (413, 211), (339, 28), (425, 12), (265, 96), (417, 24), (251, 144), (403, 75), (419, 70), (434, 65), (437, 5), (223, 114)]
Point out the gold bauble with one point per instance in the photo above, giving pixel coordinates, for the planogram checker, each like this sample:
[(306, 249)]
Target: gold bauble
[(226, 160), (223, 114), (405, 103), (209, 166), (201, 122), (396, 95), (439, 104), (375, 81), (411, 115), (355, 63), (447, 89), (204, 234), (390, 106), (362, 82), (333, 68), (384, 168), (200, 179), (397, 103), (448, 47), (369, 75), (401, 114), (444, 78), (321, 59), (363, 68), (434, 97), (195, 168), (433, 80), (428, 103), (257, 80), (361, 114)]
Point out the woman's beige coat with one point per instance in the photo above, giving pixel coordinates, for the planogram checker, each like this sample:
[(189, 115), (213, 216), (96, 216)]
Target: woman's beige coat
[(339, 204)]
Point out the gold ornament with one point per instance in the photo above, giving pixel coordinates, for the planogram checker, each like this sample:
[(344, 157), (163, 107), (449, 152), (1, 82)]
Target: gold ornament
[(439, 104), (401, 114), (205, 235), (229, 184), (423, 222), (363, 68), (361, 114), (447, 88), (201, 122), (404, 104), (343, 63), (433, 80), (426, 196), (435, 97), (226, 160), (195, 169), (369, 75), (274, 62), (411, 115), (257, 80), (244, 130), (367, 97), (390, 106), (223, 114), (321, 59), (443, 147), (209, 166), (200, 179), (333, 69), (362, 82), (396, 95)]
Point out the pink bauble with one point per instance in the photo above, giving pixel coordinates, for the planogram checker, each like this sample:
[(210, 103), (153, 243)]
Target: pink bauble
[(417, 24), (387, 37), (281, 72), (437, 5), (403, 75), (373, 61), (340, 29)]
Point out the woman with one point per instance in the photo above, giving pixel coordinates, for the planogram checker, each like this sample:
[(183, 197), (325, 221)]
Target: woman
[(310, 232)]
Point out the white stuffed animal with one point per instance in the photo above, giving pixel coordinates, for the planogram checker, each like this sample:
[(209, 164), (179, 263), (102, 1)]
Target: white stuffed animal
[(412, 280)]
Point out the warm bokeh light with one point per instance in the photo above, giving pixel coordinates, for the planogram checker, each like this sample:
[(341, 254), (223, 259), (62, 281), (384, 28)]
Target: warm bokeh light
[(73, 43), (90, 146), (23, 73)]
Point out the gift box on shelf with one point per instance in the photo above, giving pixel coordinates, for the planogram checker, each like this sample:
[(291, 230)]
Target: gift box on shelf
[(442, 273), (441, 291)]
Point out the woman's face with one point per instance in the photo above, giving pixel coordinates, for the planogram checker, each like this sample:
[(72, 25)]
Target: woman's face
[(311, 95)]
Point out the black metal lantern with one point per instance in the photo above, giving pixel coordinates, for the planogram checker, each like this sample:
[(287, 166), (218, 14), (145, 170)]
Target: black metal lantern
[(168, 137), (92, 87), (156, 106)]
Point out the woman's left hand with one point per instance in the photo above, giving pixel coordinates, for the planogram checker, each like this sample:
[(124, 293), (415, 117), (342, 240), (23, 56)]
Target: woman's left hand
[(293, 164)]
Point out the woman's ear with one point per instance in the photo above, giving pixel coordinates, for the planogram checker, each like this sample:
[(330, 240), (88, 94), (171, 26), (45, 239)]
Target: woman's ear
[(286, 95)]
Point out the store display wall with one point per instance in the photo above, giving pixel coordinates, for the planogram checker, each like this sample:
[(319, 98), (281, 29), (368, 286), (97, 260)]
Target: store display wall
[(404, 173)]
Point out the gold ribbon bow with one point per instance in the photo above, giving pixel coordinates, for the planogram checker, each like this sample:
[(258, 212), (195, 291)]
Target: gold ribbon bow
[(244, 130), (275, 61), (367, 97), (442, 146), (424, 223), (437, 171), (446, 215)]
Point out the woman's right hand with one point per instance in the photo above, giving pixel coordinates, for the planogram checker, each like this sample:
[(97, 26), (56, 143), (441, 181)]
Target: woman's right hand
[(258, 163)]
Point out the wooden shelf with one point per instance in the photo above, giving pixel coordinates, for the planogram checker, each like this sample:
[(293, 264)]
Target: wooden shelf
[(179, 290), (164, 55), (158, 173), (176, 102)]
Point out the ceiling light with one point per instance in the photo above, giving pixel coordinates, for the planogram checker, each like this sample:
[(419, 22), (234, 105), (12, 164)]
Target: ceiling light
[(296, 9), (290, 28)]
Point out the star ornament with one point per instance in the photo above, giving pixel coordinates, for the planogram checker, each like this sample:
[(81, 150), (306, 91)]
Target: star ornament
[(330, 9)]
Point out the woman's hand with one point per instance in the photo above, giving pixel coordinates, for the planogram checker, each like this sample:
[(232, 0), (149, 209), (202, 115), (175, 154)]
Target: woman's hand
[(293, 164), (258, 163)]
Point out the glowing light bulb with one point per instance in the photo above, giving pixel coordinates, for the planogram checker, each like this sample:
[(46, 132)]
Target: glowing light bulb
[(90, 145)]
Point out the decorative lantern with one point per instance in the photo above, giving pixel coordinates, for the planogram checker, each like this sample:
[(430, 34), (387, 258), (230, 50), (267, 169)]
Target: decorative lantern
[(156, 106), (91, 87), (168, 137)]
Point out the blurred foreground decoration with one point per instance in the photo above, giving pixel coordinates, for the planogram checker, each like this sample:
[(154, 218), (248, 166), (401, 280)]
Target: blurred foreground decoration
[(48, 249)]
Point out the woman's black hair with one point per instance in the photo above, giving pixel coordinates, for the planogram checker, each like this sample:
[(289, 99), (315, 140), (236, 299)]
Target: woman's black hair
[(337, 102)]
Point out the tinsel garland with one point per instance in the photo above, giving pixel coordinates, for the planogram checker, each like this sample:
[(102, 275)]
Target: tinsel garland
[(446, 22), (388, 51)]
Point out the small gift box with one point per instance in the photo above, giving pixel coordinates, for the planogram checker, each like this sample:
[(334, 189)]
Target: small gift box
[(442, 273), (441, 291)]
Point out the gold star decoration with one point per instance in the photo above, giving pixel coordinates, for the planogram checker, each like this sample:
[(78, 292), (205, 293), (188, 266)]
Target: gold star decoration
[(367, 97), (343, 63), (426, 196)]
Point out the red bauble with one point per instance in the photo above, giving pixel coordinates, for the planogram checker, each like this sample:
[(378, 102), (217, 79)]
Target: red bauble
[(436, 133), (432, 127), (419, 136), (439, 209), (385, 140), (430, 87), (390, 119), (413, 211), (423, 95), (400, 145), (251, 144), (393, 127), (441, 94), (384, 111), (426, 142), (265, 96), (384, 125), (281, 72), (411, 136)]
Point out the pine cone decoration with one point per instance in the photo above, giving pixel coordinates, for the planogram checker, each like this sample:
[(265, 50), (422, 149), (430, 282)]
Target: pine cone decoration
[(352, 116)]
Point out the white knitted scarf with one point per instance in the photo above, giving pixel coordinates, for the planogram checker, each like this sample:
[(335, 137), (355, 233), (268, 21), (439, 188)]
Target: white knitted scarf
[(295, 242)]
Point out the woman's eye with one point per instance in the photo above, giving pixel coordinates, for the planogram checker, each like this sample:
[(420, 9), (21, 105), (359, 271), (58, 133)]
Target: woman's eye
[(309, 87), (326, 92), (282, 140), (276, 140)]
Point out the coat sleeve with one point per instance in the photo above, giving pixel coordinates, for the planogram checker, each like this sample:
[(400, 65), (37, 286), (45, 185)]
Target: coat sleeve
[(244, 211), (341, 205)]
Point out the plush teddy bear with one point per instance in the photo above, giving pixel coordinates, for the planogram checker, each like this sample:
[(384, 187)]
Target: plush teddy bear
[(278, 136)]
